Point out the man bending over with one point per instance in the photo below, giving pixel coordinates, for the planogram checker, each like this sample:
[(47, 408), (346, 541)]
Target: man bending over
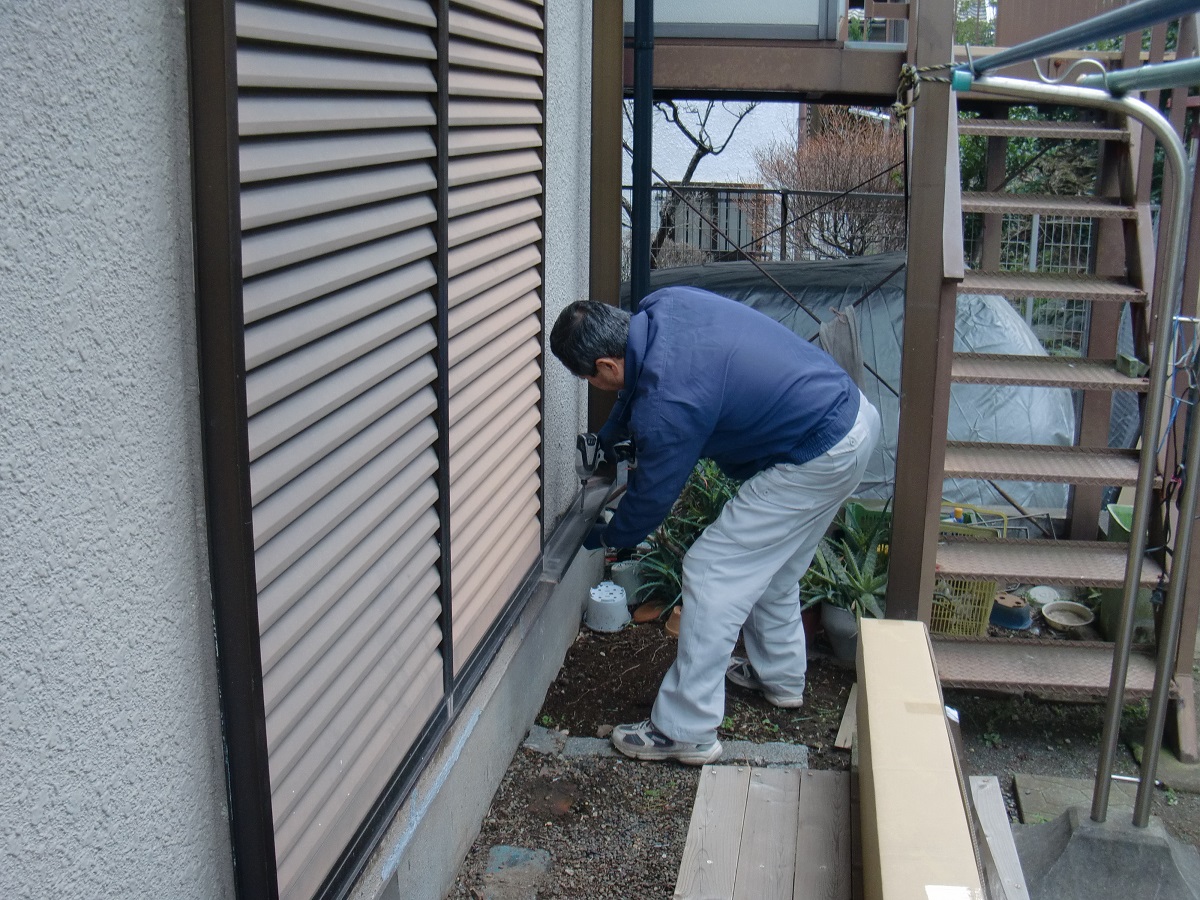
[(702, 376)]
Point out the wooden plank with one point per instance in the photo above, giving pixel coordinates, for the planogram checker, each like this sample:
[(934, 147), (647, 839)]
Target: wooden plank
[(710, 855), (845, 735), (1006, 880), (766, 864), (823, 838)]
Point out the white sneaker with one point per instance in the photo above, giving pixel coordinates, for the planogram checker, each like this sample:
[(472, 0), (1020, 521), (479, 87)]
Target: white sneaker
[(642, 740), (741, 673)]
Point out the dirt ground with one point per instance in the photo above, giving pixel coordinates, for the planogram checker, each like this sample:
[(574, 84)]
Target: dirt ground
[(615, 828)]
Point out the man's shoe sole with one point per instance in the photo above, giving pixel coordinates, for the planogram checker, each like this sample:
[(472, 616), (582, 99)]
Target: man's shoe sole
[(687, 757)]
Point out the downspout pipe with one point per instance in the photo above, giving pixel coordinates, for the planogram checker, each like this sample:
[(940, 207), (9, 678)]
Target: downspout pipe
[(1166, 294), (643, 128), (1134, 17)]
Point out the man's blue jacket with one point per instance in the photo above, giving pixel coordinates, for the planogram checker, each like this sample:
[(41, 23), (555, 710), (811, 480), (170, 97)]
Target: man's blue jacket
[(706, 376)]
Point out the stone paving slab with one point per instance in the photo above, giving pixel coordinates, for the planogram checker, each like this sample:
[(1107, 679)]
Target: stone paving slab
[(549, 741), (513, 873), (1043, 798)]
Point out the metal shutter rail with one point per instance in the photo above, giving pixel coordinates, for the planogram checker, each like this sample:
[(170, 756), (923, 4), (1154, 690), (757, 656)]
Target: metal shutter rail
[(262, 115), (314, 778), (289, 417), (471, 169), (272, 204), (494, 232), (338, 209), (303, 592), (467, 285), (469, 311), (483, 455), (302, 716), (475, 197), (395, 571), (283, 377), (283, 507), (479, 113), (277, 247), (465, 24), (412, 12), (273, 470), (311, 155), (477, 253), (297, 26), (493, 59), (314, 320), (277, 291), (402, 715), (465, 141), (294, 628), (276, 554)]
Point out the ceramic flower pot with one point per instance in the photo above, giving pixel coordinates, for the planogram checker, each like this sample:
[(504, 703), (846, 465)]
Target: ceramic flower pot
[(841, 627)]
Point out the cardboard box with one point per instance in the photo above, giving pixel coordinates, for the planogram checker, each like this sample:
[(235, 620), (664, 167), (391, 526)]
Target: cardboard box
[(915, 831)]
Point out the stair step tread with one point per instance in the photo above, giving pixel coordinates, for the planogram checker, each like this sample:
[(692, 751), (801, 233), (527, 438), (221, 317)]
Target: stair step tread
[(1047, 204), (1078, 131), (1056, 285), (1075, 563), (1047, 667), (1030, 462), (1047, 371)]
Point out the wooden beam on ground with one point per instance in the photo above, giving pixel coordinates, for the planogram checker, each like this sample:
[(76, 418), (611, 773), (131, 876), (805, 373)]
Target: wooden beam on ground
[(845, 735), (766, 864), (1005, 878), (823, 837), (709, 863)]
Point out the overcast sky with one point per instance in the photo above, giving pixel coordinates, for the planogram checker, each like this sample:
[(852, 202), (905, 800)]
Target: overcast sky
[(766, 123)]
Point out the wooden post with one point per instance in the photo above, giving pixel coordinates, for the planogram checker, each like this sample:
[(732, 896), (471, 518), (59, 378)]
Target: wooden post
[(928, 329), (604, 277)]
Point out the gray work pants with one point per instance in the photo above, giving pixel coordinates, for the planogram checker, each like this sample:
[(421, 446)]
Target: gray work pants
[(743, 573)]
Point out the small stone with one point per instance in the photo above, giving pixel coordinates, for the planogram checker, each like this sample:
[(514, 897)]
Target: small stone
[(604, 731)]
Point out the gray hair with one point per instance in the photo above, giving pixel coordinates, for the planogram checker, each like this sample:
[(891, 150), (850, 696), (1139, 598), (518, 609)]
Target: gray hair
[(587, 331)]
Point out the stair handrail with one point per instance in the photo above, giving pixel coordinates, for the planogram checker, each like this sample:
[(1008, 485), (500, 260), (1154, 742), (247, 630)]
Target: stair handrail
[(1176, 161), (1134, 17)]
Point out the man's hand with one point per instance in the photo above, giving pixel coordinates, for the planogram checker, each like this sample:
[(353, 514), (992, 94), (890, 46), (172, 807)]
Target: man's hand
[(595, 537)]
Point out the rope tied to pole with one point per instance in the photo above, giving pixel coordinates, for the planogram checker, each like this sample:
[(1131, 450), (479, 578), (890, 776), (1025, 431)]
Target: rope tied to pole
[(908, 89)]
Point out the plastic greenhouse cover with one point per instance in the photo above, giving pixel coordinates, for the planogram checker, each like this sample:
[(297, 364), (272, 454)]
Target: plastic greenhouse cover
[(1014, 414)]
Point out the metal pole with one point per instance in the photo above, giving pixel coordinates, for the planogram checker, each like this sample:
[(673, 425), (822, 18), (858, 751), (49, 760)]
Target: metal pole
[(1166, 294), (1145, 78), (1133, 17), (643, 127)]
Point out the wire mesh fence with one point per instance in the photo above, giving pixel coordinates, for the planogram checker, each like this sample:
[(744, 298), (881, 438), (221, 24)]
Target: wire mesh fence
[(1041, 243), (708, 223)]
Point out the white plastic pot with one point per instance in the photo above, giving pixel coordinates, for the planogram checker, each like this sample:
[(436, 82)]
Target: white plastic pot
[(628, 574), (606, 608)]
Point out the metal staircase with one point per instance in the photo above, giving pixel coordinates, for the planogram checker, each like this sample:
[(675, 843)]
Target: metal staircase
[(1054, 667)]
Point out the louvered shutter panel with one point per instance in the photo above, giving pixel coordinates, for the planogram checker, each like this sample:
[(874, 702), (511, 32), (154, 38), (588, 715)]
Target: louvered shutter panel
[(495, 209), (337, 122)]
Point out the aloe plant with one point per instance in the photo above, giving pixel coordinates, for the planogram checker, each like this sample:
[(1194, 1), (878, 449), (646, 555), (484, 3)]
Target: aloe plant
[(850, 571)]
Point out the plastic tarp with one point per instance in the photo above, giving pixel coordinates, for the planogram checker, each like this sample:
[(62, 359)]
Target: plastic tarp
[(874, 285)]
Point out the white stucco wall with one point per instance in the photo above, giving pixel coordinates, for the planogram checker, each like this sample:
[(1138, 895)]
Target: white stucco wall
[(113, 775), (568, 192)]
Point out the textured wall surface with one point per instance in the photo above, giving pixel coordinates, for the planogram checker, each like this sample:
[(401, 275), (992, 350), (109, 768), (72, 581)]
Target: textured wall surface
[(568, 167), (113, 776)]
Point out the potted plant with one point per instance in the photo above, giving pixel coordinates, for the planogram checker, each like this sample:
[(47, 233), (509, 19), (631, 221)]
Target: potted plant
[(848, 576), (700, 502)]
